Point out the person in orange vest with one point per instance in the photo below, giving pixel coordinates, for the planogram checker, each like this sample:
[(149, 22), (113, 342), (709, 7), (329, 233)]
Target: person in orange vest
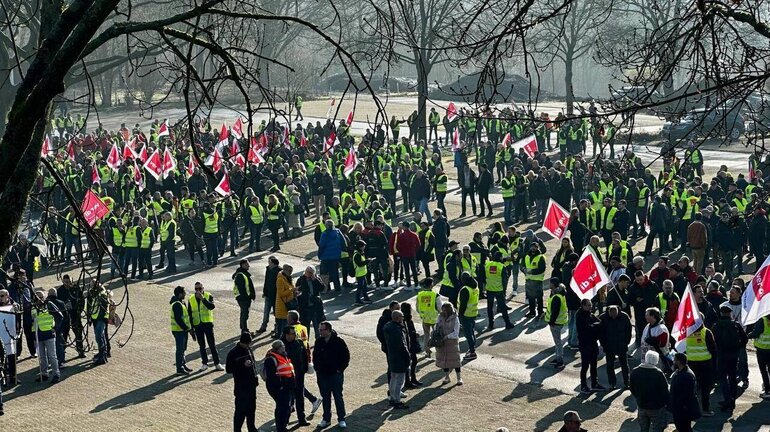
[(280, 378)]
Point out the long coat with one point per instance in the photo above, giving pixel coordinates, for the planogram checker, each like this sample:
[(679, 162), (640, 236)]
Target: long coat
[(448, 354), (397, 347), (284, 293), (684, 403)]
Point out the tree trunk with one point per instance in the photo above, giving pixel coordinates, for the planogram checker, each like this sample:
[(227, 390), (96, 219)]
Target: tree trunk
[(423, 71), (569, 92), (106, 84)]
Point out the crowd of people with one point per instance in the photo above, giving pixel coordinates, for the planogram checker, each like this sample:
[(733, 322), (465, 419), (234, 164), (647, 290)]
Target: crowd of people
[(281, 178)]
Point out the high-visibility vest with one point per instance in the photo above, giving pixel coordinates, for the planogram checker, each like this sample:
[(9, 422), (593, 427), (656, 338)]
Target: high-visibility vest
[(493, 271), (606, 187), (386, 179), (749, 190), (696, 346), (623, 255), (236, 293), (131, 239), (211, 223), (472, 308), (470, 265), (695, 159), (562, 318), (187, 203), (531, 264), (441, 181), (146, 234), (164, 229), (336, 214), (426, 306), (506, 186), (740, 204), (426, 242), (605, 217), (690, 207), (200, 313), (256, 214), (185, 318), (283, 367), (596, 200), (361, 270), (274, 211), (644, 194), (95, 310), (43, 320), (663, 304), (763, 341), (447, 280), (117, 237)]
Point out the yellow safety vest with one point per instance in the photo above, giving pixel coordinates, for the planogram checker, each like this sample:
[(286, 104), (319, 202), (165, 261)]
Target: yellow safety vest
[(274, 212), (441, 183), (606, 219), (117, 237), (531, 264), (200, 313), (131, 240), (361, 270), (696, 346), (185, 318), (470, 265), (472, 308), (387, 181), (426, 306), (146, 234), (212, 223), (256, 214), (493, 271), (663, 304), (763, 341), (43, 320), (236, 293), (164, 229), (562, 318)]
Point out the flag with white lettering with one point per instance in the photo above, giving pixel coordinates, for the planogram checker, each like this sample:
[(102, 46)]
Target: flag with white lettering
[(688, 320), (556, 220), (756, 301), (589, 275)]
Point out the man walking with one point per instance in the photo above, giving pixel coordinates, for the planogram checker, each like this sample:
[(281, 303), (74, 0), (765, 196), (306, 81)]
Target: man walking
[(730, 338), (331, 357), (650, 388), (201, 308), (243, 290), (398, 356)]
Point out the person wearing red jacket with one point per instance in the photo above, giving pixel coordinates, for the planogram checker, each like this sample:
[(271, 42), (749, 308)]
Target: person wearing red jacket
[(407, 243)]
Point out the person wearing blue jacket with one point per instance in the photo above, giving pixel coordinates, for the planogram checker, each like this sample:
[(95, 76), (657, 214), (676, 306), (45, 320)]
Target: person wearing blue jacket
[(330, 247)]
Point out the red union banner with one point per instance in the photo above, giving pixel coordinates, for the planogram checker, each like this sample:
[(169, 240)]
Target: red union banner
[(529, 144), (756, 301), (556, 220), (687, 320), (589, 275), (93, 208)]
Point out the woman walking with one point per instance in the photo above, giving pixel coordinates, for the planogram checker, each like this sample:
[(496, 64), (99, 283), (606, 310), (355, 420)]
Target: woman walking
[(448, 354)]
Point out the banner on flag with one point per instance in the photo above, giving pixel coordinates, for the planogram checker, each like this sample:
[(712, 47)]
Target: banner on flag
[(47, 149), (224, 137), (223, 188), (169, 163), (238, 128), (756, 301), (113, 159), (163, 129), (93, 208), (529, 144), (456, 140), (351, 162), (688, 320), (451, 112), (138, 177), (589, 275), (507, 140), (330, 143), (349, 118), (95, 177), (154, 165), (143, 154), (556, 220)]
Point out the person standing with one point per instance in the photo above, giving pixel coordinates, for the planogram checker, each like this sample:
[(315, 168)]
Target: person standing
[(201, 308), (180, 327), (268, 292), (428, 306), (211, 234), (74, 302), (484, 185), (697, 239), (467, 182), (761, 336), (99, 314), (330, 247), (280, 383), (309, 301), (615, 335), (168, 242), (448, 353), (701, 349), (146, 237), (468, 310), (285, 298), (298, 353), (556, 316), (587, 330), (331, 357), (243, 291), (650, 389), (361, 266), (684, 402), (44, 316), (494, 271), (729, 338), (397, 350), (298, 107), (534, 265), (240, 363)]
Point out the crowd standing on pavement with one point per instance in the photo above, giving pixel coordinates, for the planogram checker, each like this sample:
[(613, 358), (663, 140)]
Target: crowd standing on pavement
[(278, 179)]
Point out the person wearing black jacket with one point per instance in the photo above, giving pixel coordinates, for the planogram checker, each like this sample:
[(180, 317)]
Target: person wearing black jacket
[(243, 289), (441, 233), (414, 346), (588, 330), (309, 301), (467, 181), (191, 232), (386, 317), (642, 294), (62, 323), (573, 301), (331, 357), (650, 389), (730, 338), (484, 185), (615, 335), (300, 358), (397, 352), (180, 327), (684, 402), (240, 363), (269, 292)]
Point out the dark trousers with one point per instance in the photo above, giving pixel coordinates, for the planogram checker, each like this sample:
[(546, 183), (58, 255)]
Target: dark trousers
[(521, 212), (683, 425), (204, 332), (469, 329), (298, 397), (409, 264), (763, 362), (273, 226), (145, 261), (192, 247), (255, 231), (499, 298), (212, 248), (29, 335), (727, 373), (623, 359), (168, 250), (130, 256), (361, 293), (484, 197), (440, 199), (704, 375), (662, 240), (244, 305), (588, 358), (180, 338), (330, 385), (282, 398), (245, 409), (465, 195)]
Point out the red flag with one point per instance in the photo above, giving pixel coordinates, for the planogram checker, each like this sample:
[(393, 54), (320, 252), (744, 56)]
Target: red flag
[(240, 161), (223, 136), (154, 165), (95, 177), (138, 178), (143, 154), (47, 149), (329, 110), (451, 112), (349, 119), (351, 162), (529, 144), (456, 140), (756, 301), (688, 320), (238, 128), (163, 130), (191, 165), (507, 140), (128, 150), (254, 157), (302, 139), (169, 163), (589, 275), (234, 148), (71, 150), (556, 220), (113, 159), (223, 188), (286, 141), (330, 143), (215, 160), (93, 208)]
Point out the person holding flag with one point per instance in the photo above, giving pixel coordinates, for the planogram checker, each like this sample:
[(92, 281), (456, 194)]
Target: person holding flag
[(761, 336), (700, 350)]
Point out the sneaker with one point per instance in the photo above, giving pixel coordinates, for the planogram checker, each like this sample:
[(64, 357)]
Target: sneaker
[(585, 390), (342, 424), (56, 379), (447, 380), (316, 405), (403, 395), (183, 367), (765, 395), (203, 367), (182, 372), (509, 326), (219, 367), (554, 361), (460, 382), (470, 356), (559, 365), (324, 424)]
